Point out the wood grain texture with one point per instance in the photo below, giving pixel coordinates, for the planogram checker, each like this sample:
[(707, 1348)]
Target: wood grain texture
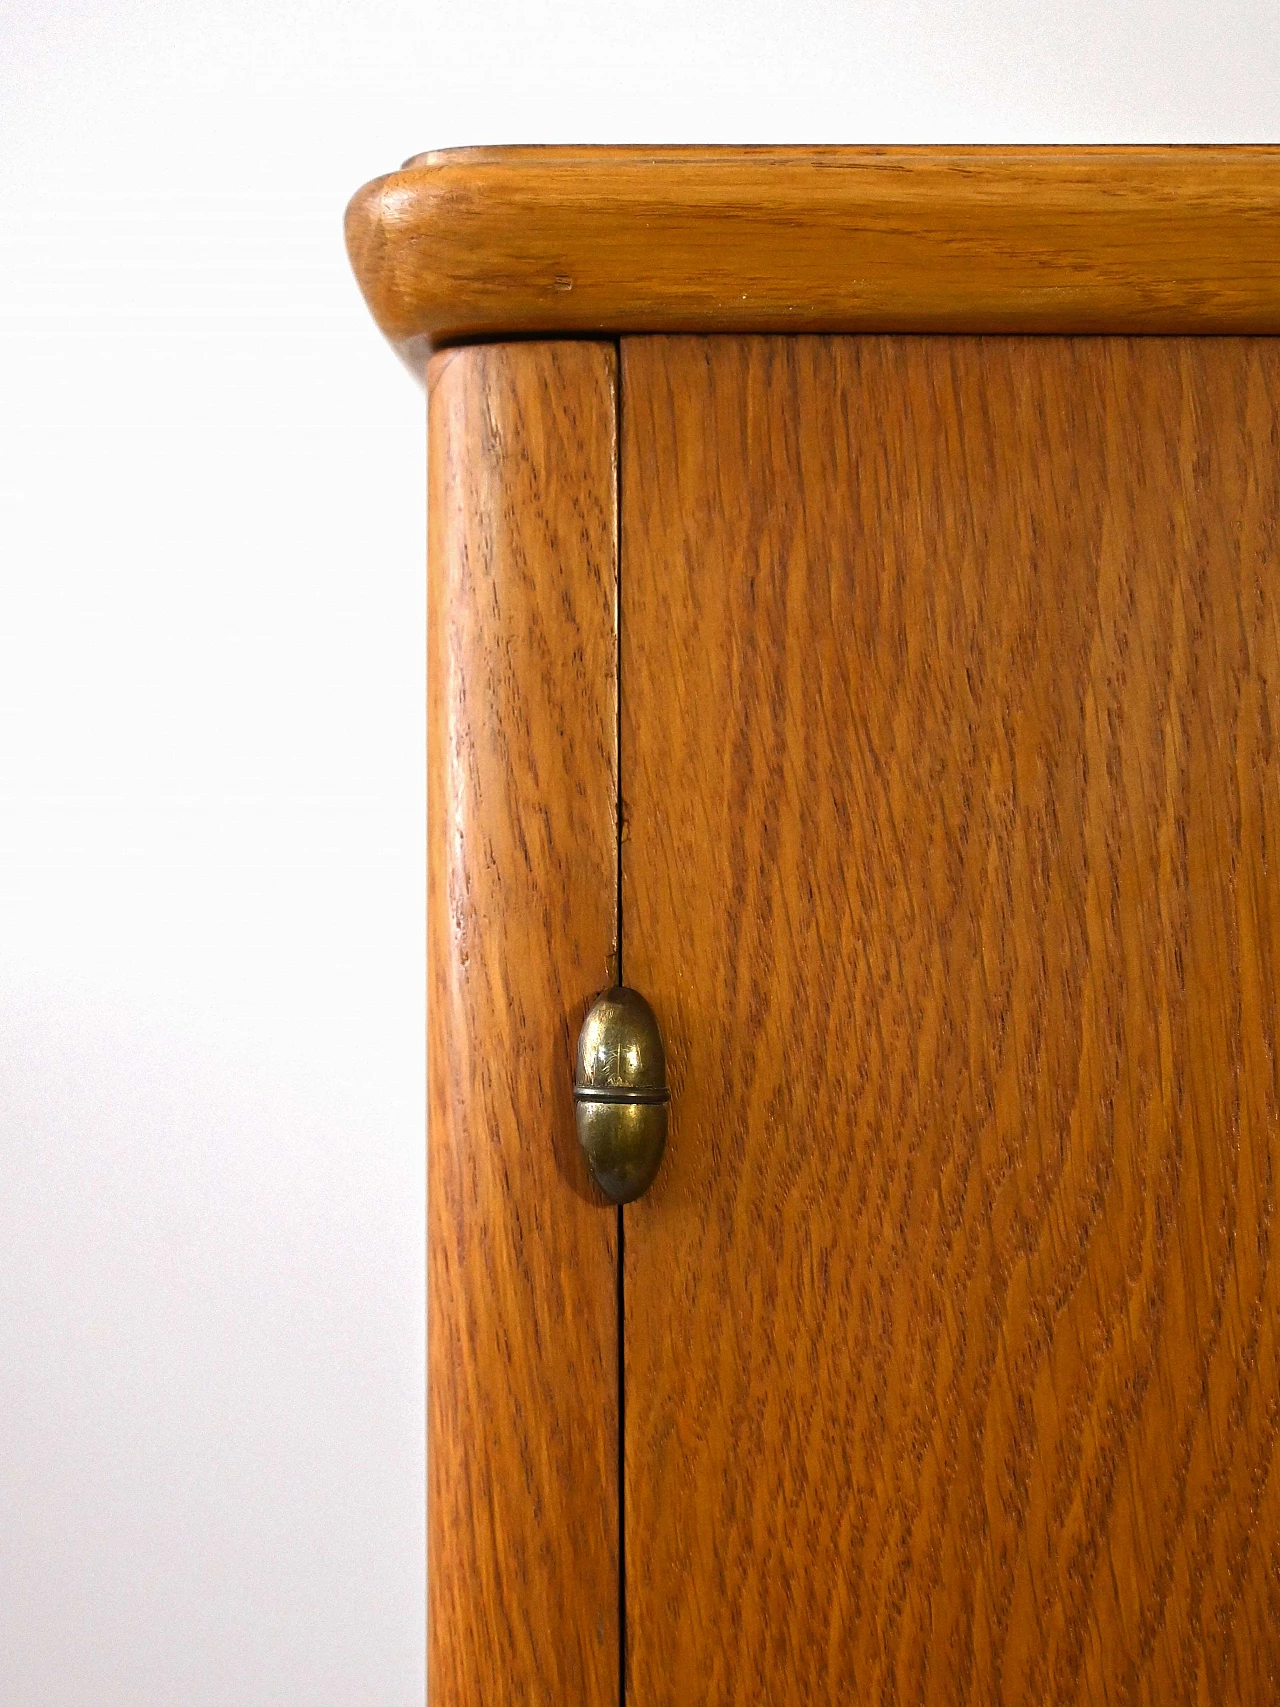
[(522, 1318), (492, 243), (951, 689)]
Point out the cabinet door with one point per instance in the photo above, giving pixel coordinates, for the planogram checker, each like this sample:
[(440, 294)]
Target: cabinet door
[(522, 1494), (950, 695)]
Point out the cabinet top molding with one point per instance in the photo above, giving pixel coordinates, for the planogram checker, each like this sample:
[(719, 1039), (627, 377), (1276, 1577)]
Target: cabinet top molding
[(480, 243)]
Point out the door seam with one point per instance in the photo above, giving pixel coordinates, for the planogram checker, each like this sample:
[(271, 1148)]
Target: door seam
[(621, 1237)]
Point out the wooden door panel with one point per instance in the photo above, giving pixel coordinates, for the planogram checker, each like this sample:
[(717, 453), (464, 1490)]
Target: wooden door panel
[(951, 683), (522, 1501)]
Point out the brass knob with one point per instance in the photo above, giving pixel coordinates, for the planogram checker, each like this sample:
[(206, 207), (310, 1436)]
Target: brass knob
[(620, 1092)]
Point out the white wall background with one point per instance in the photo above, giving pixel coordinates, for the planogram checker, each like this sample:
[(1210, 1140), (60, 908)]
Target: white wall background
[(211, 750)]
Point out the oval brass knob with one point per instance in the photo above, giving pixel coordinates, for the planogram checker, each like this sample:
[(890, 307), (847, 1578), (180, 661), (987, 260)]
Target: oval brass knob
[(620, 1092)]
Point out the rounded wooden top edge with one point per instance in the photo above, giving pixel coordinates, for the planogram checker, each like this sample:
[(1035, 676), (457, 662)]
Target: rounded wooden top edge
[(549, 156), (469, 245)]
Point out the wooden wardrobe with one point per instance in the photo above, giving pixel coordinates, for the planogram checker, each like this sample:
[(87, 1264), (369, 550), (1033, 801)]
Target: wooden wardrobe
[(855, 625)]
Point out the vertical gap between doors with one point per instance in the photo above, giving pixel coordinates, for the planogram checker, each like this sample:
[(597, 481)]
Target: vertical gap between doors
[(621, 1241)]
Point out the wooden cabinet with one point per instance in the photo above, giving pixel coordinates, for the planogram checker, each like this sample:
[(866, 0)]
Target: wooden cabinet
[(855, 622)]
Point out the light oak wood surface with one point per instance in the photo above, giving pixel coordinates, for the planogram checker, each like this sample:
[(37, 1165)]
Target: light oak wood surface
[(951, 693), (498, 243), (522, 1298)]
